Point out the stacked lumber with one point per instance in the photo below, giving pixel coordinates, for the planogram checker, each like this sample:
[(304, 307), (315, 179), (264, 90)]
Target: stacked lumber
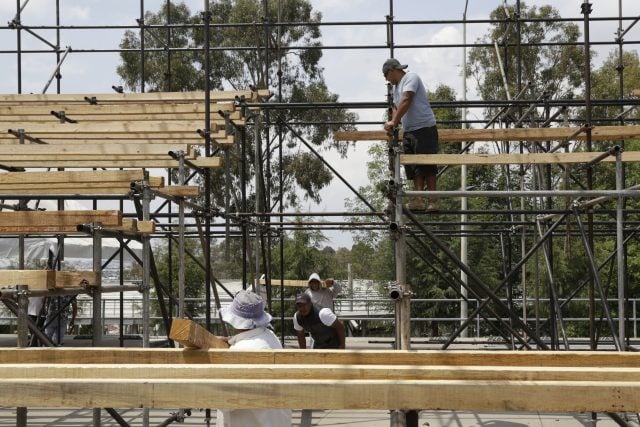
[(115, 130), (456, 380), (117, 182)]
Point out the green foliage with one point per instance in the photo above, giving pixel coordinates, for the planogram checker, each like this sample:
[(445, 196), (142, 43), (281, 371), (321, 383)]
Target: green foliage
[(558, 69), (168, 268), (249, 54)]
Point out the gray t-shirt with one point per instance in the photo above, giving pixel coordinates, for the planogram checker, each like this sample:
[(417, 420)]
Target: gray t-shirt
[(420, 115)]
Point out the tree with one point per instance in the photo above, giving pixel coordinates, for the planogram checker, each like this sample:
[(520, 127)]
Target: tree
[(247, 55), (555, 67)]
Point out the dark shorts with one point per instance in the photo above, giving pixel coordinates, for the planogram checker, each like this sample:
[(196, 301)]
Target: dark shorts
[(421, 141)]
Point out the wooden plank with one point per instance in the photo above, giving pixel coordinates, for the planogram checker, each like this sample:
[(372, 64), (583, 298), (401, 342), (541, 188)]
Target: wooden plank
[(48, 279), (35, 279), (182, 190), (130, 138), (301, 283), (340, 357), (599, 133), (54, 218), (635, 92), (71, 110), (63, 177), (327, 372), (75, 279), (501, 396), (131, 225), (94, 149), (120, 126), (507, 159), (191, 335), (114, 98), (201, 162)]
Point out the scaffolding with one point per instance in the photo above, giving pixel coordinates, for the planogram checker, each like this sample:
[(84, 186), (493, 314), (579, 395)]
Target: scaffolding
[(527, 230)]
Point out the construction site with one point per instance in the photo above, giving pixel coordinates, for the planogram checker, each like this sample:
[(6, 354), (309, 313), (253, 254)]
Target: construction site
[(191, 160)]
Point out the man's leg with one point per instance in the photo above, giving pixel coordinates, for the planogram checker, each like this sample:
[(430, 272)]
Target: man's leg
[(432, 181)]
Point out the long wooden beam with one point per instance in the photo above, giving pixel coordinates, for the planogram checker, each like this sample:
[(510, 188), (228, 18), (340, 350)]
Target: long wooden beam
[(201, 162), (191, 335), (329, 372), (508, 159), (326, 357), (114, 98), (599, 133), (74, 177), (48, 279), (501, 396), (55, 221), (115, 110)]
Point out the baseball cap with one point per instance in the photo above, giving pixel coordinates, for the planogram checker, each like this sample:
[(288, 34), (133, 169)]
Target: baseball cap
[(303, 298), (392, 64)]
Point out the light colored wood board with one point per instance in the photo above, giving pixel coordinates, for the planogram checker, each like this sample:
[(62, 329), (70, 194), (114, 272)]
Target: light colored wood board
[(224, 141), (215, 119), (48, 279), (34, 279), (94, 149), (82, 140), (64, 177), (635, 92), (202, 162), (75, 279), (506, 159), (114, 98), (192, 335), (165, 108), (130, 225), (92, 181), (308, 372), (181, 190), (78, 190), (301, 283), (499, 396), (599, 133), (120, 126), (28, 219), (341, 357)]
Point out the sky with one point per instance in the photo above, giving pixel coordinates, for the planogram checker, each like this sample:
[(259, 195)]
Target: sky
[(353, 74)]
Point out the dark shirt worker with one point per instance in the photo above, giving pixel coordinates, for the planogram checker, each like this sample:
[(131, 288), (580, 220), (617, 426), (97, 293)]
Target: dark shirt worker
[(322, 323)]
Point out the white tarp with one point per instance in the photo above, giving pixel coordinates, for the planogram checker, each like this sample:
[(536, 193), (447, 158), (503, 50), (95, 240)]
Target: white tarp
[(37, 248)]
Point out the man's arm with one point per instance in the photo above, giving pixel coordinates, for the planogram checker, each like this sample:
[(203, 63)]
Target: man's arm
[(400, 111), (302, 340), (339, 327)]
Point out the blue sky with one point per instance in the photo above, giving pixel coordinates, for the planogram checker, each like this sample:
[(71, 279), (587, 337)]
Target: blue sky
[(352, 74)]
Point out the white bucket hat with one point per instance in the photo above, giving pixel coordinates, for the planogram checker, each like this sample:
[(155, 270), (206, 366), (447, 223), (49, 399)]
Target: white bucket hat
[(246, 311)]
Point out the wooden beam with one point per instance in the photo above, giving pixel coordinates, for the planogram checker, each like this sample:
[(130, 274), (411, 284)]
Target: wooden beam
[(201, 162), (117, 127), (76, 177), (130, 138), (508, 159), (304, 372), (115, 98), (94, 149), (599, 133), (301, 283), (48, 279), (141, 108), (34, 222), (499, 358), (181, 190), (191, 335), (501, 396)]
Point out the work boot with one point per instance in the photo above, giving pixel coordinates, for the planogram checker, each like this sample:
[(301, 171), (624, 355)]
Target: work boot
[(416, 204)]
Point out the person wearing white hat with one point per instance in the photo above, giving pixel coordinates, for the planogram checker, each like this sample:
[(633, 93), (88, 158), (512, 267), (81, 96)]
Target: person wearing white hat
[(250, 323), (412, 108), (322, 296)]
